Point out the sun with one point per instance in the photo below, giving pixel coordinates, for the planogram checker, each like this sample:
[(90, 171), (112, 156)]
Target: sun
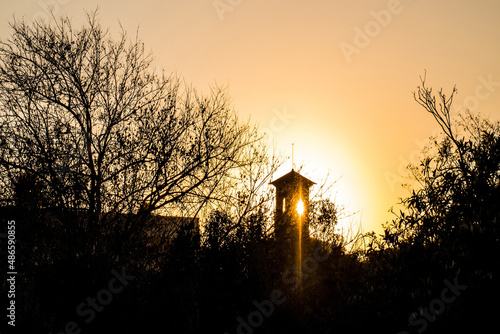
[(300, 207)]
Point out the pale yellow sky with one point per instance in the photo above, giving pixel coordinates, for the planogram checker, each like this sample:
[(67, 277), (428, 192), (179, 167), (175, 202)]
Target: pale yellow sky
[(334, 77)]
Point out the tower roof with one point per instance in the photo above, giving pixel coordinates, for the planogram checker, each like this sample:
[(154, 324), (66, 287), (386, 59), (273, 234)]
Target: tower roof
[(292, 177)]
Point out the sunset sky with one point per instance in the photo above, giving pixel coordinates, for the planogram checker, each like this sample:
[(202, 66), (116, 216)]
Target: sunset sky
[(334, 77)]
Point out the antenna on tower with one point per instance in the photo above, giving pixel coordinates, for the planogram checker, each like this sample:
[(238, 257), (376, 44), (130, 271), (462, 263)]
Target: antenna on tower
[(293, 164)]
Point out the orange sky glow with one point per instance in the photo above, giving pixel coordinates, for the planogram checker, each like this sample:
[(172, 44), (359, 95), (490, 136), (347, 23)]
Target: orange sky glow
[(333, 77)]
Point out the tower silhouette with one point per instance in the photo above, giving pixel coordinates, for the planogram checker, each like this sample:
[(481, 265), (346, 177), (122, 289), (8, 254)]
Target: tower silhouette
[(291, 223)]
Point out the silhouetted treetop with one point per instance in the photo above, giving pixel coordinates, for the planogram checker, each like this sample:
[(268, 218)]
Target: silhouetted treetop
[(85, 117)]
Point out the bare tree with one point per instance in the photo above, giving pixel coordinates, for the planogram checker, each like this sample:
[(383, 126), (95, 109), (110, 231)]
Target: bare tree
[(101, 132)]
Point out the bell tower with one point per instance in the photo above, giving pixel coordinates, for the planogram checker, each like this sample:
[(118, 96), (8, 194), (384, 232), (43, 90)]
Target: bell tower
[(291, 223)]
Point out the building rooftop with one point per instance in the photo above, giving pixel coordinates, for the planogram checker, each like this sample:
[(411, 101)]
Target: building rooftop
[(292, 177)]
